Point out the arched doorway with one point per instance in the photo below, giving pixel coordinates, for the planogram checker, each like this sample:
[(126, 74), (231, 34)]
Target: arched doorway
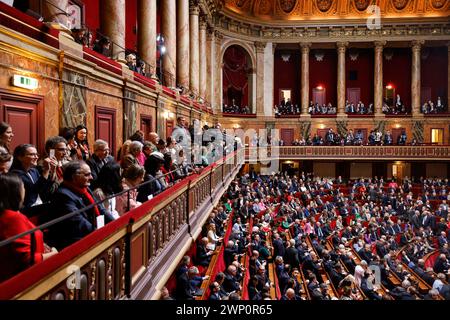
[(237, 74)]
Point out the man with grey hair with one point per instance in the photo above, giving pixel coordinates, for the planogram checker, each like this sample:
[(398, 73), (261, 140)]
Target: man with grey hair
[(100, 157)]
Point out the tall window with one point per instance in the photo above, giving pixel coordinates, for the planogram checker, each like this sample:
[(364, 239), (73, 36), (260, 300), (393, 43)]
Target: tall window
[(437, 136)]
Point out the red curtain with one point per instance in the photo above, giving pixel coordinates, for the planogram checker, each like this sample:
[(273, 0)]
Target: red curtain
[(235, 76)]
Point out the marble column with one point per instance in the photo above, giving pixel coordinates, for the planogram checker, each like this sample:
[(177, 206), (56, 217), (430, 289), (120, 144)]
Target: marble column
[(183, 43), (194, 12), (55, 12), (147, 34), (415, 77), (269, 60), (217, 65), (203, 57), (341, 47), (113, 26), (210, 66), (169, 32), (305, 47), (260, 48), (378, 78)]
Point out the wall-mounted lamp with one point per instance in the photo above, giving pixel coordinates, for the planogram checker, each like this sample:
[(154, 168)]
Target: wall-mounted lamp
[(319, 87), (389, 86)]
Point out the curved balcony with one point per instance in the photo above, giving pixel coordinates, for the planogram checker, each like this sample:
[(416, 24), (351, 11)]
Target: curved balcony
[(133, 256), (441, 152)]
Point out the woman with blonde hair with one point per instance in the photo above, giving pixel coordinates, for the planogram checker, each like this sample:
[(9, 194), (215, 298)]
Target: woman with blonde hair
[(132, 177)]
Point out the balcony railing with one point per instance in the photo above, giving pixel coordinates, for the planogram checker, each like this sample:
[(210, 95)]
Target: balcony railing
[(132, 255), (441, 152)]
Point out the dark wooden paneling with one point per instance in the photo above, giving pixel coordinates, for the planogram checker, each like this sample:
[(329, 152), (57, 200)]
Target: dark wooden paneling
[(24, 112), (105, 125)]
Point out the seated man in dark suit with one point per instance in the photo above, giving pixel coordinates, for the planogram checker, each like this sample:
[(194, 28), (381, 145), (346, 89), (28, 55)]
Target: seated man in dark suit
[(203, 257), (72, 195), (230, 283), (367, 286)]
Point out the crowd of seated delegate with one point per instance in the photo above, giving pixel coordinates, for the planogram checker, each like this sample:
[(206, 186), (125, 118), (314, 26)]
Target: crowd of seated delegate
[(235, 109), (398, 107), (432, 108), (228, 283), (103, 45), (375, 138), (359, 108), (330, 223), (286, 107), (72, 175), (324, 109)]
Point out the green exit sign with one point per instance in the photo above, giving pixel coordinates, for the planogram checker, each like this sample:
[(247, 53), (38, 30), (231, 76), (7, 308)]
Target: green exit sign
[(25, 82)]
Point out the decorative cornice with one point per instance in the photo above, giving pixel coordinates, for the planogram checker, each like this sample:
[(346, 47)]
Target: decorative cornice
[(397, 30)]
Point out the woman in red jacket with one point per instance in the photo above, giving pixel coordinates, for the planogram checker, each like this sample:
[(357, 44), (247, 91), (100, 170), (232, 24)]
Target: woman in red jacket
[(20, 254)]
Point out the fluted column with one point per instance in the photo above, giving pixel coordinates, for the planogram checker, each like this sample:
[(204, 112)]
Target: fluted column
[(203, 57), (113, 26), (210, 66), (260, 47), (415, 77), (341, 47), (218, 64), (194, 11), (378, 77), (147, 33), (169, 31), (305, 46), (183, 43), (55, 12)]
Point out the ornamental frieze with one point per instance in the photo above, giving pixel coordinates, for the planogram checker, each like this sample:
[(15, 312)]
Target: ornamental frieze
[(307, 10), (287, 5), (362, 5)]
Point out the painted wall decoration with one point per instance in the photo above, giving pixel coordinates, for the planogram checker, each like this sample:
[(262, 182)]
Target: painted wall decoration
[(74, 110)]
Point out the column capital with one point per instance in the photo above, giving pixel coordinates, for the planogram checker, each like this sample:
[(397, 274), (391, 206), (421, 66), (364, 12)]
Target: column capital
[(260, 46), (417, 44), (218, 37), (210, 33), (341, 46), (379, 44), (305, 46), (194, 9), (203, 23)]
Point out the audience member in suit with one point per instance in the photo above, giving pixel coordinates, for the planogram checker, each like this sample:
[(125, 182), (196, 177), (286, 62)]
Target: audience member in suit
[(72, 195), (203, 256), (230, 283)]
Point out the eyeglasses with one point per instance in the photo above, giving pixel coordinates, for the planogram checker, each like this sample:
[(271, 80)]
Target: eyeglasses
[(88, 174), (32, 155), (61, 149)]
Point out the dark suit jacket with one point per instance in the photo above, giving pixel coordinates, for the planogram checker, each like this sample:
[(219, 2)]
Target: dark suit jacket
[(278, 247), (202, 257), (76, 227), (35, 185)]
